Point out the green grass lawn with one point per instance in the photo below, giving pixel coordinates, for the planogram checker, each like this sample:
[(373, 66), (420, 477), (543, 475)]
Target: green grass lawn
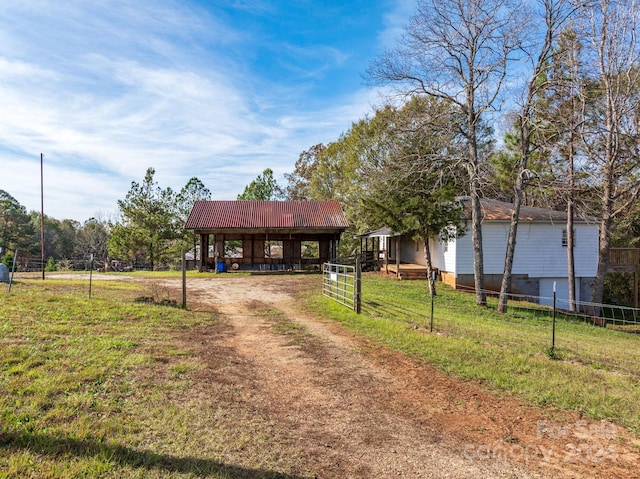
[(109, 387), (596, 371), (112, 387)]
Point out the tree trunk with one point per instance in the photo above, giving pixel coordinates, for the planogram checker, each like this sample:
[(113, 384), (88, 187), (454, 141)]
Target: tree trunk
[(427, 257), (526, 128), (571, 269), (505, 287), (597, 292), (613, 37), (476, 210), (478, 259), (608, 185)]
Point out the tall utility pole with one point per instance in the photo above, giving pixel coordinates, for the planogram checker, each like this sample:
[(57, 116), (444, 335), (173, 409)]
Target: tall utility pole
[(42, 210)]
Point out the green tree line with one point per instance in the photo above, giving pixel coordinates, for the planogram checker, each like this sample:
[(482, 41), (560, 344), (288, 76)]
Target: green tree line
[(147, 232)]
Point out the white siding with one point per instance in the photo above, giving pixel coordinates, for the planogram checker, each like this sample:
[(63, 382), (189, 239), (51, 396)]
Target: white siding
[(562, 292), (443, 255), (412, 251), (539, 250), (464, 254), (586, 250)]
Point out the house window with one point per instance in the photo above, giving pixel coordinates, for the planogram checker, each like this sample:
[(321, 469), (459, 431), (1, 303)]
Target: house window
[(565, 238)]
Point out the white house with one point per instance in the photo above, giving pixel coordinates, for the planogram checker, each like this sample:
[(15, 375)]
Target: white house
[(540, 257)]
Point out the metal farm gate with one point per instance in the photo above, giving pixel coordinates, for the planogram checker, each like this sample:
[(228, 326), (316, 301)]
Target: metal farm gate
[(342, 283)]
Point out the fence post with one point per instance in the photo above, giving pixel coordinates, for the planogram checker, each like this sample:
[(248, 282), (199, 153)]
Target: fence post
[(90, 274), (553, 327), (432, 301), (13, 269), (431, 322), (358, 286)]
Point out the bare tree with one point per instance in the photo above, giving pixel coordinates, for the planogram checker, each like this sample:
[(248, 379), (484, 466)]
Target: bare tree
[(458, 50), (555, 14), (610, 133), (565, 115)]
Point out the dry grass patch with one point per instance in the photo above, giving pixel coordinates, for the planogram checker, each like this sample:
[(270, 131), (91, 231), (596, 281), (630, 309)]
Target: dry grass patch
[(110, 387)]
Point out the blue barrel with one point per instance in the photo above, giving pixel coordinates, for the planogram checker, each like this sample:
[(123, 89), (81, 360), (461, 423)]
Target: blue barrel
[(4, 273), (221, 267)]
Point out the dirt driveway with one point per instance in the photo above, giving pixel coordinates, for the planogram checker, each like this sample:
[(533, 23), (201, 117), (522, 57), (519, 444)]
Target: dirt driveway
[(360, 410)]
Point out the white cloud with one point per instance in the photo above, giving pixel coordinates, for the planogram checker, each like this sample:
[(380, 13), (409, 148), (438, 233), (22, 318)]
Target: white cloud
[(106, 89), (395, 22)]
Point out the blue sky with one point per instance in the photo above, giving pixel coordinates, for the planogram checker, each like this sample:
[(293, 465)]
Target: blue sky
[(218, 90)]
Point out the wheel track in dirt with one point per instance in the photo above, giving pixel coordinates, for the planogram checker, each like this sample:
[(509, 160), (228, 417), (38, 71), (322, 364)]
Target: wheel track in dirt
[(361, 410), (339, 418)]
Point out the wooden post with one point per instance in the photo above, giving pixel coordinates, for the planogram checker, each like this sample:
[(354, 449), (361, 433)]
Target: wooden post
[(215, 252), (204, 250), (42, 211), (635, 288), (13, 269), (387, 248), (90, 275), (184, 281), (397, 256)]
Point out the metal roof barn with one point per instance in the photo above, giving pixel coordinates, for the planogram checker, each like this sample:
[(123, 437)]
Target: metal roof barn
[(267, 235), (241, 214)]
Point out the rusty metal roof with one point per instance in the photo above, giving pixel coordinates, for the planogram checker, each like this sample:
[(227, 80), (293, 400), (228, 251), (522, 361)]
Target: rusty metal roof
[(495, 210), (245, 214)]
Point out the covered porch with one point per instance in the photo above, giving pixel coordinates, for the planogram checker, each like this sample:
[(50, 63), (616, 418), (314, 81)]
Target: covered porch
[(381, 250), (406, 270), (264, 251)]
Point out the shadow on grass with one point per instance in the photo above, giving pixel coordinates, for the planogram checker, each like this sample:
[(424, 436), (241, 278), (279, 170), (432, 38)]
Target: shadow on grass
[(390, 311), (125, 456)]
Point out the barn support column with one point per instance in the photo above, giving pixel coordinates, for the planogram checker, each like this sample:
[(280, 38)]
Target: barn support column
[(215, 254), (363, 258), (216, 250), (204, 251), (331, 241), (335, 248)]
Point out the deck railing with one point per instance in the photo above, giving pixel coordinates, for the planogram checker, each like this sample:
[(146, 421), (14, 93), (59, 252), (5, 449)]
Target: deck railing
[(624, 259)]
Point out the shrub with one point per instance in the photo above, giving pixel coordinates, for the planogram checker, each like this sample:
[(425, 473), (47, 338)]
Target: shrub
[(8, 259), (51, 265)]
